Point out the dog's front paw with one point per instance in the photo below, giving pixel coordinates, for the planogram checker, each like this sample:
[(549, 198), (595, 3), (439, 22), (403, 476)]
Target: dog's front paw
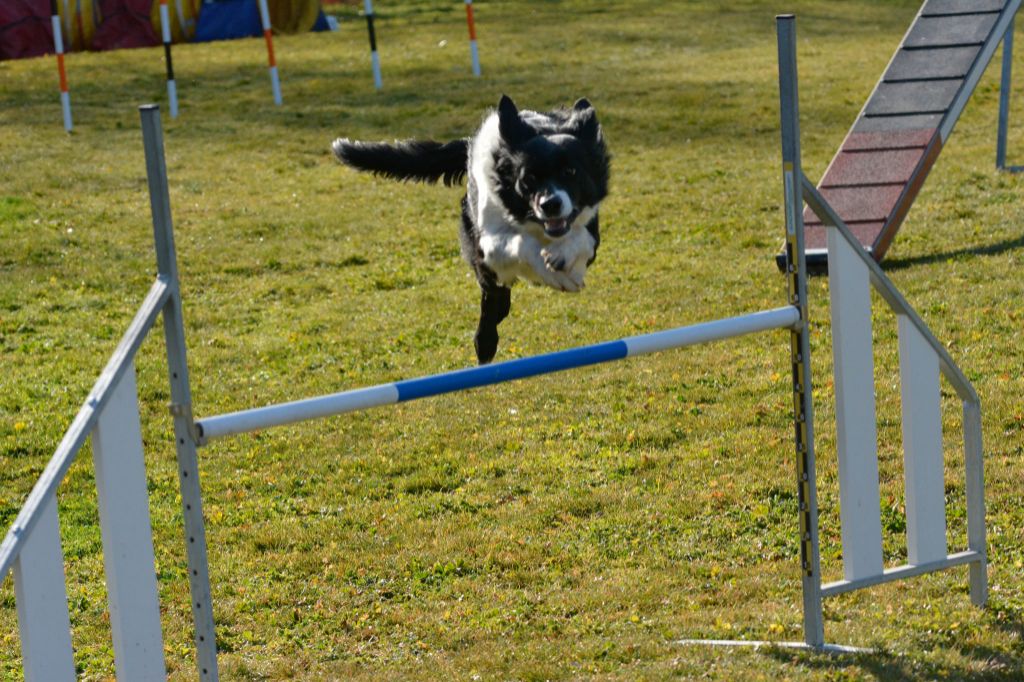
[(554, 260)]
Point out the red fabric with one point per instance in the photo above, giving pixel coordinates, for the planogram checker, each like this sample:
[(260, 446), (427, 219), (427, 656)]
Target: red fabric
[(126, 23), (25, 29)]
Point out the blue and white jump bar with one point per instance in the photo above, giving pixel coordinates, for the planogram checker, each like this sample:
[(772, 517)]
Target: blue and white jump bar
[(244, 421)]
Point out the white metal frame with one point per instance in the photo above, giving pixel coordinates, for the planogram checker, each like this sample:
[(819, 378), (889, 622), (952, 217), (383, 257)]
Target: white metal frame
[(852, 273), (31, 548)]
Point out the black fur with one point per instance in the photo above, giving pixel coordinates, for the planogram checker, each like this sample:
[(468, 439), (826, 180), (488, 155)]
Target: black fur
[(418, 160)]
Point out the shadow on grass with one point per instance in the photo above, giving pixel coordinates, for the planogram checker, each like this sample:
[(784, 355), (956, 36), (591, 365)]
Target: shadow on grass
[(927, 259), (986, 664), (980, 662)]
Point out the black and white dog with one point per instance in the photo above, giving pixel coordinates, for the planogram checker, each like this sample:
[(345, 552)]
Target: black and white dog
[(530, 209)]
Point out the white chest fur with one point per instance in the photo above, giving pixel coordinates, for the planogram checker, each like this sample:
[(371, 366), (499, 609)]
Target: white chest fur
[(515, 250)]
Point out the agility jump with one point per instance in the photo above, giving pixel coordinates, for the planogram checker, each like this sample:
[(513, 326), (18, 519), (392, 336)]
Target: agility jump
[(32, 546)]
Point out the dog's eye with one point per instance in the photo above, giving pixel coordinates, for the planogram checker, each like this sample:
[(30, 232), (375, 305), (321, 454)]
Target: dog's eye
[(570, 171)]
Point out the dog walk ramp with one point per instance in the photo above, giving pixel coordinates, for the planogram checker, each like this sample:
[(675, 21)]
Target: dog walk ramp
[(875, 176)]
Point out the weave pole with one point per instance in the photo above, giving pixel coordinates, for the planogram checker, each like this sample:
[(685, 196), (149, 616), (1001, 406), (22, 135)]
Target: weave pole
[(172, 86), (474, 54), (58, 48), (374, 57), (275, 80)]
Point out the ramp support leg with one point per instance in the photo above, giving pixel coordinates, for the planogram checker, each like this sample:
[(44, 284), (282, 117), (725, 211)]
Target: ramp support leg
[(1005, 84)]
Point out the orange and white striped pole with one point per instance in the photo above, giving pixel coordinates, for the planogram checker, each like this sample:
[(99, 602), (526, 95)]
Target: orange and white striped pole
[(473, 53), (172, 86), (275, 80), (58, 48)]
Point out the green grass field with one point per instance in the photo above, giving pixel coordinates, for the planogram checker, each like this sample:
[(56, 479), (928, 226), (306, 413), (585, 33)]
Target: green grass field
[(576, 525)]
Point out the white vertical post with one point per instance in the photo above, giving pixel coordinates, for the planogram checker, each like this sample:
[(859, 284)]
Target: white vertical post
[(58, 48), (856, 437), (127, 536), (922, 446), (172, 84), (42, 601)]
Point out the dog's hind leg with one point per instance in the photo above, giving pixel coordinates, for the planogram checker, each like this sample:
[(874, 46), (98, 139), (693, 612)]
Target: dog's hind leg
[(495, 303)]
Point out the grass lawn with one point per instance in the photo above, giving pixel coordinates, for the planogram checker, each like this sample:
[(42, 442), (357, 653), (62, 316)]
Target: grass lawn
[(576, 525)]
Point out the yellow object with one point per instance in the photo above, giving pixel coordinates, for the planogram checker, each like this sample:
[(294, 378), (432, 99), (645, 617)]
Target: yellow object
[(293, 16), (183, 13), (78, 21)]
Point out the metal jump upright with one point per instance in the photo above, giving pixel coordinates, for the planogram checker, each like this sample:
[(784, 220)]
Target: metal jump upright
[(852, 273)]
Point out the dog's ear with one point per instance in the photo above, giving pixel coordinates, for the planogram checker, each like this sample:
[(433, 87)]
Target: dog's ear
[(585, 125), (511, 127)]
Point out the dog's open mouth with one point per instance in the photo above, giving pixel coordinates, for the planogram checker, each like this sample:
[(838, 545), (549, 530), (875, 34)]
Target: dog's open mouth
[(556, 227)]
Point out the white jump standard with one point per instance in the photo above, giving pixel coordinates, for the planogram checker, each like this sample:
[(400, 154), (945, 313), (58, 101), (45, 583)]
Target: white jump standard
[(32, 551)]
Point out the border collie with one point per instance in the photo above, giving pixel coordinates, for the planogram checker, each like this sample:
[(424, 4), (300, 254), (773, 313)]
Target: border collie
[(530, 210)]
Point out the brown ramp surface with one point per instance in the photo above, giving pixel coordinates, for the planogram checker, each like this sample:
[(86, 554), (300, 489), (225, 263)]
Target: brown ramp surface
[(880, 167)]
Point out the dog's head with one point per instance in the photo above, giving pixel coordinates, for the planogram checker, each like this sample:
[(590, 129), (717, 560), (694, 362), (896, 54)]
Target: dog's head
[(552, 167)]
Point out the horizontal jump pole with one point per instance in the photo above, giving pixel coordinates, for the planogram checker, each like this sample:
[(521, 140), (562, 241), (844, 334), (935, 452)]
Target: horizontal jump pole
[(386, 394)]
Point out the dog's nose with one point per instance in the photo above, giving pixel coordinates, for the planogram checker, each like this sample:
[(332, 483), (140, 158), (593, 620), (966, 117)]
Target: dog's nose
[(551, 205)]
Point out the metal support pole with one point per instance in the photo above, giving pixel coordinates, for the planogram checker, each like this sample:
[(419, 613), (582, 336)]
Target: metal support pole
[(975, 471), (796, 271), (181, 397), (1005, 84)]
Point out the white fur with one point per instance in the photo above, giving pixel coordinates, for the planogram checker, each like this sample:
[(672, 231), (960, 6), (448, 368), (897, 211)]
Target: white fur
[(515, 250)]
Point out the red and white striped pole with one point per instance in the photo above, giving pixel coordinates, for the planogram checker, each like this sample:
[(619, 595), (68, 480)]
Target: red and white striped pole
[(172, 86), (58, 48), (275, 80), (473, 53)]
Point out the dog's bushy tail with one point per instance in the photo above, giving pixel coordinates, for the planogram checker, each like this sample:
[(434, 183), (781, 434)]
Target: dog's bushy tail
[(420, 160)]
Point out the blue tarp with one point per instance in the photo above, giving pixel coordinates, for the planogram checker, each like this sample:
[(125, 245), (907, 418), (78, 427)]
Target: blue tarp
[(228, 19)]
